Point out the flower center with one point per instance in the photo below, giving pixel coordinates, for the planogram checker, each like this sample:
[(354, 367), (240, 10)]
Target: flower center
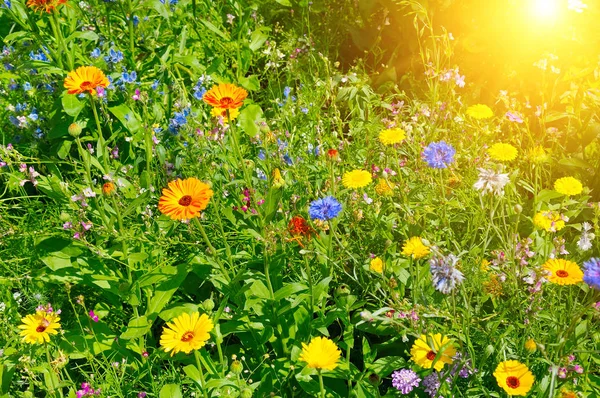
[(513, 382), (562, 273), (187, 336), (226, 101), (185, 201), (87, 86), (40, 328), (431, 355)]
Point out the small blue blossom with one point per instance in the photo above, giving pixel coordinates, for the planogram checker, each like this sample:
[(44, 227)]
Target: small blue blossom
[(114, 56), (27, 86), (591, 274), (95, 53), (155, 84), (261, 174), (324, 209), (261, 155), (439, 155), (286, 91), (288, 160), (444, 274)]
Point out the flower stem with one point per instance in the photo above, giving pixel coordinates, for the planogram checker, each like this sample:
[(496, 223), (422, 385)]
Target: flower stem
[(321, 384), (199, 365), (213, 252), (131, 37), (101, 142)]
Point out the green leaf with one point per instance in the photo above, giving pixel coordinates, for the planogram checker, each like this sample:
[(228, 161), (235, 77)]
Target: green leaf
[(258, 38), (165, 291), (249, 117), (284, 3), (170, 391), (85, 35), (137, 327), (214, 29), (160, 8), (127, 117), (288, 290), (64, 149), (192, 372), (71, 105), (250, 83), (384, 366), (7, 371)]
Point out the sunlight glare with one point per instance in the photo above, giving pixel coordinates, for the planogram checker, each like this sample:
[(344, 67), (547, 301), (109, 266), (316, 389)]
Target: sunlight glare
[(545, 9)]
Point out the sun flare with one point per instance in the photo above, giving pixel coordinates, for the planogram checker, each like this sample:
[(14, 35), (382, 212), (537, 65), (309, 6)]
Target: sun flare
[(545, 9)]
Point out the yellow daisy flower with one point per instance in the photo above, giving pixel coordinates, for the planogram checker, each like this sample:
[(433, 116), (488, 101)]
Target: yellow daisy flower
[(563, 272), (278, 180), (376, 265), (37, 328), (480, 112), (186, 333), (568, 186), (320, 353), (549, 220), (530, 345), (385, 187), (538, 154), (502, 152), (392, 136), (356, 179), (426, 348), (514, 377), (184, 199), (415, 247)]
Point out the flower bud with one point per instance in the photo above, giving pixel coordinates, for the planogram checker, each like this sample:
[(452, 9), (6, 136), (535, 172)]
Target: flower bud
[(236, 367), (208, 305), (518, 209), (342, 290), (246, 393), (64, 217), (75, 129)]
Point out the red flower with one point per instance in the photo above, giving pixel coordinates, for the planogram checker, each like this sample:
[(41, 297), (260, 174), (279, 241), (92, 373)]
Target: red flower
[(298, 226), (333, 153)]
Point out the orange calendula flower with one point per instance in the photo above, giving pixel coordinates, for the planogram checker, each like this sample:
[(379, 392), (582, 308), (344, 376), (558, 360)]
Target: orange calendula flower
[(184, 199), (563, 272), (225, 96), (108, 188), (45, 5), (85, 79)]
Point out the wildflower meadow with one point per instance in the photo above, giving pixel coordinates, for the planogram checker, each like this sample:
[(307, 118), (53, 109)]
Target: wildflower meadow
[(294, 198)]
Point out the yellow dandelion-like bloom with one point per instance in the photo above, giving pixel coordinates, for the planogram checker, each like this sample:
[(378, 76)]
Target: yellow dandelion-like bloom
[(538, 154), (530, 345), (415, 247), (85, 79), (563, 272), (502, 152), (184, 199), (222, 113), (564, 393), (357, 179), (37, 328), (376, 265), (320, 353), (392, 136), (186, 333), (426, 348), (384, 187), (225, 96), (480, 112), (278, 180), (514, 378), (485, 265), (549, 220), (568, 186)]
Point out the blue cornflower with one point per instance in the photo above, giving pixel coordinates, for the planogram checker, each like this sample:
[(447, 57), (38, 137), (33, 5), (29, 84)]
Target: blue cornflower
[(439, 155), (444, 275), (591, 274), (324, 209), (95, 53)]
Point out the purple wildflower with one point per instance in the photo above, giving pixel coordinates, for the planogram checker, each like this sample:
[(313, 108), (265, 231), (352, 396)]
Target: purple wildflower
[(405, 380)]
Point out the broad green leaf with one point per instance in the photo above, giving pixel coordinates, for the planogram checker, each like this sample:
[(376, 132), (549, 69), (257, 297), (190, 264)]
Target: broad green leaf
[(165, 291), (249, 118), (71, 105), (258, 38), (137, 327), (127, 117), (170, 391), (214, 29)]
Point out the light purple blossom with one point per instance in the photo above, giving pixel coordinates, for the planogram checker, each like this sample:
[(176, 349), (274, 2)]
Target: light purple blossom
[(405, 380)]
